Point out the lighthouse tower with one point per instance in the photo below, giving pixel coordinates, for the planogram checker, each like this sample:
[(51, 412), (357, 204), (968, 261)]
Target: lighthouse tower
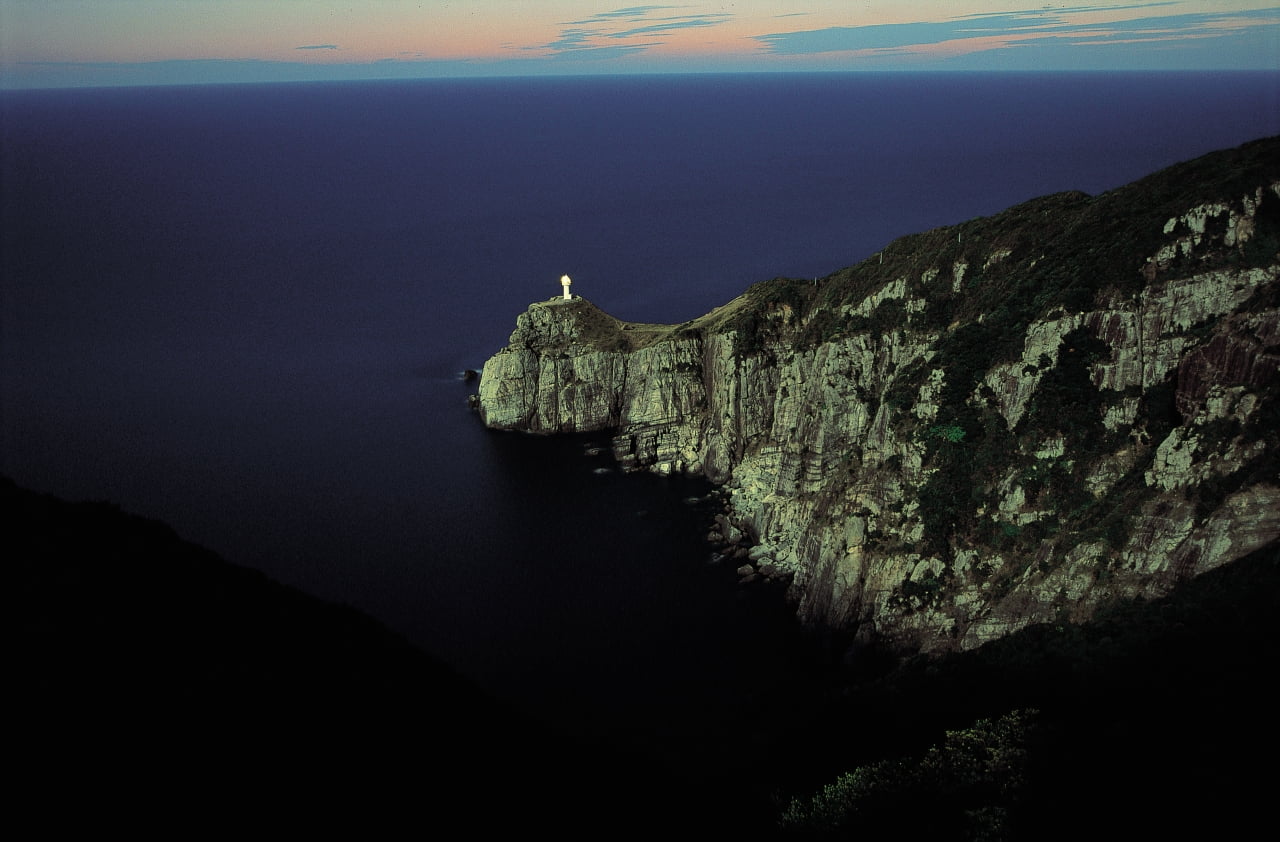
[(564, 282)]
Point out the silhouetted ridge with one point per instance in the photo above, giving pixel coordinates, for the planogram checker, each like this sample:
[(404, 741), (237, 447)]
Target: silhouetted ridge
[(152, 678)]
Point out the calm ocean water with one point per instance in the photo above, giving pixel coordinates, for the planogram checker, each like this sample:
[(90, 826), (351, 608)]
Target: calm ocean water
[(244, 310)]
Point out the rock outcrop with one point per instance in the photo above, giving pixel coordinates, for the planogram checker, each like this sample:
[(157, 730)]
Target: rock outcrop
[(1005, 422)]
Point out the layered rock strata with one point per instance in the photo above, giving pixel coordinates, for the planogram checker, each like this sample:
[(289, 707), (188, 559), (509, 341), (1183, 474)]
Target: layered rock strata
[(1010, 421)]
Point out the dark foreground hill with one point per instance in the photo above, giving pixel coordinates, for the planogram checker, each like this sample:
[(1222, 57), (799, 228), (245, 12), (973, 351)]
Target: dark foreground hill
[(152, 685)]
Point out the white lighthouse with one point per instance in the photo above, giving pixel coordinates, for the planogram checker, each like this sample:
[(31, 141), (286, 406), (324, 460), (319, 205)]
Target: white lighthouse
[(564, 282)]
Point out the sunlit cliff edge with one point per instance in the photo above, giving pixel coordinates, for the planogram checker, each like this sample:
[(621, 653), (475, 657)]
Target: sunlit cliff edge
[(1009, 421)]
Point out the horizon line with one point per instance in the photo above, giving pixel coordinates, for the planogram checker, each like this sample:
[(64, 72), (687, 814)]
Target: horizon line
[(614, 74)]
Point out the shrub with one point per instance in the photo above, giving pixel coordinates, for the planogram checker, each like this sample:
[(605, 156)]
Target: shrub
[(947, 432), (962, 789)]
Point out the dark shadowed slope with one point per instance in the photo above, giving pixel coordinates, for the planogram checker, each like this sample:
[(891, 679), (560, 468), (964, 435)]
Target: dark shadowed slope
[(154, 685)]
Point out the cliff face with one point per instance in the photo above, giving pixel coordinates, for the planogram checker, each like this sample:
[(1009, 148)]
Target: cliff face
[(1005, 422)]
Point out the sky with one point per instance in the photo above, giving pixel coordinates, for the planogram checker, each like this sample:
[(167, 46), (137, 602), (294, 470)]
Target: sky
[(70, 43)]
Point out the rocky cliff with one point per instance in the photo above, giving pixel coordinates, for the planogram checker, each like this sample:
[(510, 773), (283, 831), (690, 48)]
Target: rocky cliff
[(1009, 421)]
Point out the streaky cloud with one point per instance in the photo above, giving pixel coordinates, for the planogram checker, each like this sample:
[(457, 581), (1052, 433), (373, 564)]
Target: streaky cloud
[(599, 53), (632, 12), (1021, 28), (317, 47), (591, 35), (690, 23), (839, 39)]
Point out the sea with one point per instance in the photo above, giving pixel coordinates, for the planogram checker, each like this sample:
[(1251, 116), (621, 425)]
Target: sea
[(249, 310)]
